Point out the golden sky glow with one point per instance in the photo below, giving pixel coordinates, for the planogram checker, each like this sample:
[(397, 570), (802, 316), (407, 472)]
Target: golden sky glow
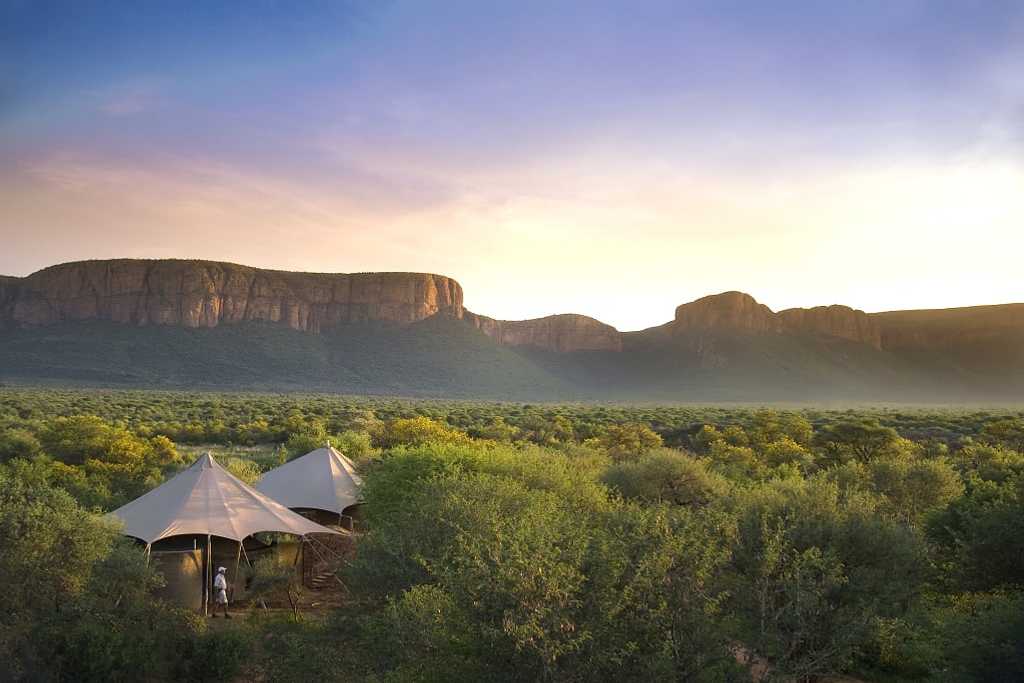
[(558, 240)]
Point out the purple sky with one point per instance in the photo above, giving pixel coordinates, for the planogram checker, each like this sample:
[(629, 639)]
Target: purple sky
[(613, 159)]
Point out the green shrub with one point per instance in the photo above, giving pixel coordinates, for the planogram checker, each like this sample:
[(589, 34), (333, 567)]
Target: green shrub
[(218, 655)]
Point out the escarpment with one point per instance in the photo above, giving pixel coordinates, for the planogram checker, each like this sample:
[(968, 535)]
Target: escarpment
[(208, 294), (834, 321), (730, 310), (736, 311), (929, 330), (563, 333)]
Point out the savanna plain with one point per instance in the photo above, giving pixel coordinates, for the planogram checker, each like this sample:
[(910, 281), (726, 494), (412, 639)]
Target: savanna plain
[(516, 541)]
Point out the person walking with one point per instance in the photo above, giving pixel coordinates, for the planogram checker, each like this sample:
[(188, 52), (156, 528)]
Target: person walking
[(220, 592)]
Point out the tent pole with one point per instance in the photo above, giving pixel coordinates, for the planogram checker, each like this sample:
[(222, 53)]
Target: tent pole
[(247, 560), (234, 580), (207, 577), (149, 552)]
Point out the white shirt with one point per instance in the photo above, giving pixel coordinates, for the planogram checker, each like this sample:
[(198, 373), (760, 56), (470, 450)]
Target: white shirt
[(220, 583)]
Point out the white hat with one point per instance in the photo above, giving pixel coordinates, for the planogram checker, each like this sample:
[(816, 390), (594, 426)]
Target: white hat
[(221, 570)]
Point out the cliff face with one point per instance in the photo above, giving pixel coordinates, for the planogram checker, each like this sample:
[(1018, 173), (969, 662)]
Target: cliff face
[(834, 321), (207, 294), (563, 333), (737, 311), (731, 310), (929, 330)]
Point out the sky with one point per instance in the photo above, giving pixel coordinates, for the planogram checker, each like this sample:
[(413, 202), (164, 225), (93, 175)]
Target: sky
[(614, 159)]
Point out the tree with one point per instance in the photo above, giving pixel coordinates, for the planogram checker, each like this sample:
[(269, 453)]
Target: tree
[(667, 477), (304, 437), (915, 486), (418, 430), (814, 570), (1008, 432), (859, 440), (549, 432), (768, 426), (76, 602), (507, 565), (355, 445), (705, 437), (736, 462), (735, 435), (112, 458), (74, 439), (989, 463), (497, 430), (983, 638), (786, 451), (981, 535), (18, 443), (629, 440), (246, 470)]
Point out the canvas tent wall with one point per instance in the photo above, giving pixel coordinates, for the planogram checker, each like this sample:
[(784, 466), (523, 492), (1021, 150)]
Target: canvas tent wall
[(323, 479), (206, 501)]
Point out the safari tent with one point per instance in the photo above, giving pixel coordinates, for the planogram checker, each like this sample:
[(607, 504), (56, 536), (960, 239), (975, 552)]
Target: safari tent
[(322, 484), (202, 515)]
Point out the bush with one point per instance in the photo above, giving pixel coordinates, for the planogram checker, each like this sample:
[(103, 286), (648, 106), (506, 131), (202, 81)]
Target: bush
[(984, 638), (667, 477), (246, 470), (629, 440), (418, 430), (18, 443), (75, 603), (815, 570), (273, 578), (218, 655)]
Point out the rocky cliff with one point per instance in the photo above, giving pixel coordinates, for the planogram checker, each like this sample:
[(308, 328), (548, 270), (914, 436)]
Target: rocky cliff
[(736, 311), (929, 330), (730, 310), (563, 333), (208, 294), (834, 321)]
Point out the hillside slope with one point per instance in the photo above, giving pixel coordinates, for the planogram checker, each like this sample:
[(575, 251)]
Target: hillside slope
[(437, 357)]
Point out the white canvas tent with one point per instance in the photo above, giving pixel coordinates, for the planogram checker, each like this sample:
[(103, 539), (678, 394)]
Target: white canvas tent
[(207, 500), (323, 479)]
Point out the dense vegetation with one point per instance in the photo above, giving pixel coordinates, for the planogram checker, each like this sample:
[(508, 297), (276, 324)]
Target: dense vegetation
[(509, 541)]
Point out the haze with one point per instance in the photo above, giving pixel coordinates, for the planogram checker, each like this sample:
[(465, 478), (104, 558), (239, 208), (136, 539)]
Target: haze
[(607, 158)]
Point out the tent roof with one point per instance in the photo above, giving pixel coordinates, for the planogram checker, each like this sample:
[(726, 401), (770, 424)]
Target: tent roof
[(323, 479), (207, 499)]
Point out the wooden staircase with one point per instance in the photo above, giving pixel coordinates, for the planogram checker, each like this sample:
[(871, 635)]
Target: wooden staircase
[(323, 557)]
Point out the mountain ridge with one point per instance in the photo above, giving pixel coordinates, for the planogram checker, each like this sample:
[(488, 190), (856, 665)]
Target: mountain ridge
[(205, 323), (201, 293)]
